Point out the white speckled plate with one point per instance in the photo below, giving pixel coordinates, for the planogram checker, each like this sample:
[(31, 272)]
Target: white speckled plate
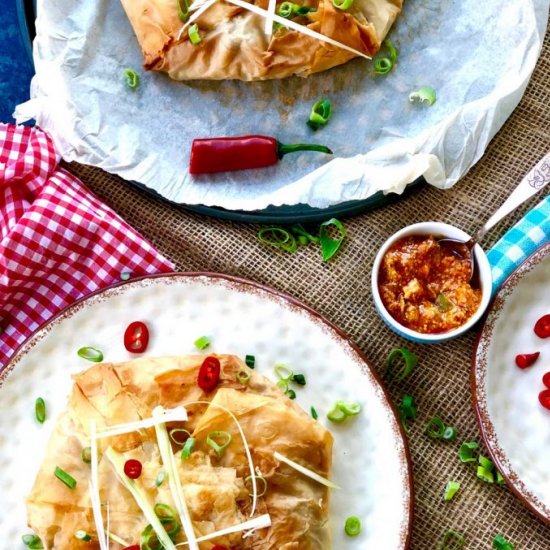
[(371, 459), (515, 427)]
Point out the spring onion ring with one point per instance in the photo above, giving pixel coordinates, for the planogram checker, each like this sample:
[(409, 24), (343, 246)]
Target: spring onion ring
[(32, 542), (425, 94), (435, 428), (450, 490), (320, 114), (202, 343), (66, 478), (132, 78), (194, 34), (466, 451), (277, 237), (330, 246), (90, 354), (161, 476), (250, 361), (40, 410), (342, 4), (500, 543), (219, 448), (314, 414), (263, 482), (243, 376), (452, 541), (173, 436), (183, 10), (352, 526), (403, 358), (82, 535)]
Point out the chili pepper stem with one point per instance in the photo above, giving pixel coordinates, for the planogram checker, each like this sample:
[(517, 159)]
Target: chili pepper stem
[(283, 149)]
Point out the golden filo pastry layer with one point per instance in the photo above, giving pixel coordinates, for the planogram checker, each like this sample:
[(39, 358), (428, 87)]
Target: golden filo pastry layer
[(214, 488), (234, 44)]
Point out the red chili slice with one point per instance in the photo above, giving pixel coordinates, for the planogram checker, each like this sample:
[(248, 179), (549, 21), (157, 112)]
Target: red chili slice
[(542, 327), (133, 547), (219, 547), (526, 359), (209, 374), (136, 337), (132, 468), (546, 380), (544, 398)]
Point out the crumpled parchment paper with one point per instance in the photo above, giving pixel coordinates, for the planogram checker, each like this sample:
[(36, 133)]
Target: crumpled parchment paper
[(477, 55)]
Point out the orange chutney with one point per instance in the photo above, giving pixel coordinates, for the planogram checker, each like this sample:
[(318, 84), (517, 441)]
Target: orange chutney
[(425, 287)]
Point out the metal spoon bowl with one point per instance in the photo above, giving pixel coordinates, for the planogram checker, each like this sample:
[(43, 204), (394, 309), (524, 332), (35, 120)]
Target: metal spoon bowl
[(535, 180)]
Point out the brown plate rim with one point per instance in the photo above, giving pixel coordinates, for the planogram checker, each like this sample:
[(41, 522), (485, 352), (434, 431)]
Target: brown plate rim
[(477, 378), (294, 303)]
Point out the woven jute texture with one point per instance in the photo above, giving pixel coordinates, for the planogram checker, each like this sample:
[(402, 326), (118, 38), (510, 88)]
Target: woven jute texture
[(340, 290)]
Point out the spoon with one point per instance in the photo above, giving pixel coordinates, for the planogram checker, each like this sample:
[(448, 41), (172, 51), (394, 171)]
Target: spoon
[(537, 178)]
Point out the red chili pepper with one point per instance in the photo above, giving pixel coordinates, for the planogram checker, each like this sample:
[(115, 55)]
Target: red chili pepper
[(526, 359), (136, 337), (132, 468), (542, 327), (133, 547), (239, 153), (544, 398), (209, 374), (546, 380), (219, 547)]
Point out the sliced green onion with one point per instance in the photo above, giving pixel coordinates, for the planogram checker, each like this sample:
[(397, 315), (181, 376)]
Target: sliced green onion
[(383, 65), (66, 478), (202, 343), (486, 469), (342, 4), (243, 376), (452, 541), (314, 412), (183, 10), (466, 451), (132, 78), (161, 476), (40, 410), (250, 361), (500, 480), (352, 526), (320, 114), (407, 411), (450, 490), (426, 94), (282, 385), (291, 394), (450, 433), (286, 9), (302, 232), (409, 407), (82, 535), (500, 543), (403, 358), (219, 448), (283, 372), (149, 539), (188, 448), (262, 480), (167, 516), (277, 237), (330, 246), (174, 433), (194, 34), (90, 354), (349, 409), (336, 415), (443, 303), (32, 542), (86, 455), (125, 275), (299, 379), (435, 428), (302, 241), (304, 10)]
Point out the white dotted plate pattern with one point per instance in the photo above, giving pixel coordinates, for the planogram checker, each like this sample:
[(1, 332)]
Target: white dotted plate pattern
[(516, 428), (370, 457)]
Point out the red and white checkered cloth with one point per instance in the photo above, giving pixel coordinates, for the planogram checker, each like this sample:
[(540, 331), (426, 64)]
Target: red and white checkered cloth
[(58, 241)]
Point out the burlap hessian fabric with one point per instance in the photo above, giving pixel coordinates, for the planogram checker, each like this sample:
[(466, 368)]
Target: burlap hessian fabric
[(340, 290)]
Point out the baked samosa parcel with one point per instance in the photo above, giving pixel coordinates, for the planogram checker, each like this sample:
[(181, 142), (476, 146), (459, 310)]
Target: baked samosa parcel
[(233, 42), (112, 424)]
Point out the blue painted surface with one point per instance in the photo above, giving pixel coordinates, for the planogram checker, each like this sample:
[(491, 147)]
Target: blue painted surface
[(16, 69)]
